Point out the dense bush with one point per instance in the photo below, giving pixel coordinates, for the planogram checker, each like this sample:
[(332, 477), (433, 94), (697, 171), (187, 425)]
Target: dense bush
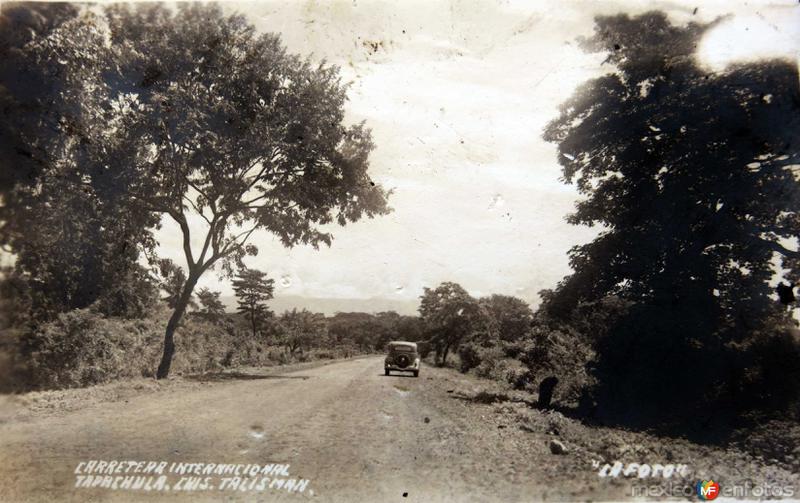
[(81, 347), (771, 370), (520, 378), (562, 353), (424, 349), (652, 367), (514, 349), (492, 364), (491, 361), (470, 357)]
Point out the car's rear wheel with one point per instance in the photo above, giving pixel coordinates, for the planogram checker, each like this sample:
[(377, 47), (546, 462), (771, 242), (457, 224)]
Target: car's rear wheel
[(416, 373), (386, 371)]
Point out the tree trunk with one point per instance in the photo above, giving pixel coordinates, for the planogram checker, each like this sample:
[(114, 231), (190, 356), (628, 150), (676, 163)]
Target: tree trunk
[(253, 322), (172, 324), (444, 354)]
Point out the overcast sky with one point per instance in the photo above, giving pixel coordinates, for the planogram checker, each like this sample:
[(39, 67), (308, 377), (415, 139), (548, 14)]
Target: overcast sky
[(457, 94)]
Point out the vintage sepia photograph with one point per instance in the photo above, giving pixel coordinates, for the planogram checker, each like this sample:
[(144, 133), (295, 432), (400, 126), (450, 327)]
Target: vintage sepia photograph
[(400, 251)]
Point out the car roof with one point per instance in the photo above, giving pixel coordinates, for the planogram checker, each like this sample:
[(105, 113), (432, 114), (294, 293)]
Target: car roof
[(402, 343)]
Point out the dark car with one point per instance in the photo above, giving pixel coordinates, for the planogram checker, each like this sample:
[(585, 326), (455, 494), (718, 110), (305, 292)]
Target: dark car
[(403, 356)]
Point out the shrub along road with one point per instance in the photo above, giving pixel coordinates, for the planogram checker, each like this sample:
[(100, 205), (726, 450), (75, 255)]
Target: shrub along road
[(350, 432)]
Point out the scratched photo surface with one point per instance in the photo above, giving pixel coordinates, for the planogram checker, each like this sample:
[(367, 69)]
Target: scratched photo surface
[(414, 251)]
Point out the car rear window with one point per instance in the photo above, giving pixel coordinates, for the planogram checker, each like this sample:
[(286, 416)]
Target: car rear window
[(404, 348)]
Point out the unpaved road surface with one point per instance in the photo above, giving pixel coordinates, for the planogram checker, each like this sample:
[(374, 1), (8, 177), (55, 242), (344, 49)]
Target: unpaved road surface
[(353, 433)]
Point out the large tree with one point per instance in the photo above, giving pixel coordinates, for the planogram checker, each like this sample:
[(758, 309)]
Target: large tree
[(228, 133), (692, 177), (302, 329), (452, 316)]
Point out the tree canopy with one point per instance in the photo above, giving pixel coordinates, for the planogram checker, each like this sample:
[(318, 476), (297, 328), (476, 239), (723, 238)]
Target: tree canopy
[(512, 316), (301, 329), (185, 114), (64, 214), (692, 177), (211, 307), (224, 124), (451, 316)]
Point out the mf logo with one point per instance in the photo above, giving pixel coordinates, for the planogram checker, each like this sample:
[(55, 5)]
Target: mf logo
[(707, 490)]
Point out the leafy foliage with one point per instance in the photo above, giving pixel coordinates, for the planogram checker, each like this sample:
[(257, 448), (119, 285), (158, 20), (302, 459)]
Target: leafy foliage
[(363, 330), (157, 112), (211, 308), (513, 316), (451, 316), (469, 356), (27, 100), (229, 126), (66, 211), (82, 347), (562, 352), (302, 329), (696, 191)]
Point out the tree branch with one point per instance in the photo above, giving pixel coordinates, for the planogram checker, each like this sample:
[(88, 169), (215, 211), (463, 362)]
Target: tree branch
[(195, 187), (777, 247), (257, 176), (231, 246), (196, 209), (187, 246), (209, 237), (248, 203)]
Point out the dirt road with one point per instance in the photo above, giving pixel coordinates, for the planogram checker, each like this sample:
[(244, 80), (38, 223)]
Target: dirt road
[(353, 433)]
